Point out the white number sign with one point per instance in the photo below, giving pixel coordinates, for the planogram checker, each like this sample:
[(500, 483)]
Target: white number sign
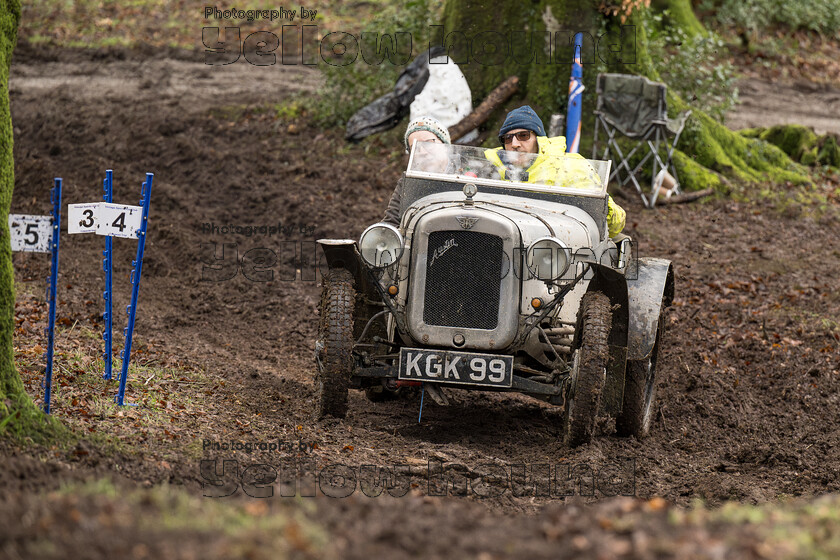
[(103, 218), (30, 233), (81, 218), (118, 220)]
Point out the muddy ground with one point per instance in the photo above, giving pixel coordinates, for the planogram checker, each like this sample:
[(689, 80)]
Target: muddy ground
[(765, 103), (748, 397)]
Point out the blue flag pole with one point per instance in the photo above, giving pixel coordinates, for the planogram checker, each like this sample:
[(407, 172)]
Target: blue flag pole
[(146, 195), (55, 198), (106, 267), (576, 88)]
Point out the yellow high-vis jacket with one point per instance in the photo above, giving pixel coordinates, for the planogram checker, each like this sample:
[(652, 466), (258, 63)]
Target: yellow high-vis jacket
[(546, 170)]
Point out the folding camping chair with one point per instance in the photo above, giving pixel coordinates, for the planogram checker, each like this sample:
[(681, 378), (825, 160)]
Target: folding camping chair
[(635, 107)]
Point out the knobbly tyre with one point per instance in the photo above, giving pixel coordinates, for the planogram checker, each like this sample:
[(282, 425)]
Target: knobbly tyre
[(496, 281)]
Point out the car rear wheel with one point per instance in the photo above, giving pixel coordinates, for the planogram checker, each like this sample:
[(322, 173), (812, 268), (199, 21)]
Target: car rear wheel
[(640, 390), (589, 373), (334, 348)]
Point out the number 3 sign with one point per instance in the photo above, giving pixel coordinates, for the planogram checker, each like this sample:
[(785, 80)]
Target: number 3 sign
[(103, 218), (81, 218)]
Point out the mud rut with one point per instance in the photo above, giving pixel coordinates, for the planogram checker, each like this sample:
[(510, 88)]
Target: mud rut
[(747, 404)]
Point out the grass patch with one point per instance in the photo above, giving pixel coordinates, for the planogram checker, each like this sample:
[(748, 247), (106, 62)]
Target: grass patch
[(290, 109), (168, 396), (795, 529), (168, 518), (164, 23)]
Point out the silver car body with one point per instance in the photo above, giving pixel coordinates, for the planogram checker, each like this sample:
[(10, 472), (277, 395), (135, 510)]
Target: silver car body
[(457, 234)]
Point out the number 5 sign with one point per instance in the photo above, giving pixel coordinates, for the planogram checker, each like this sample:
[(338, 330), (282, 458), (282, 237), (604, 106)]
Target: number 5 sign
[(30, 233), (103, 218)]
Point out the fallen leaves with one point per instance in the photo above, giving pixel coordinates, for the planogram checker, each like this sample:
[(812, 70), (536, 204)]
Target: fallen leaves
[(656, 504)]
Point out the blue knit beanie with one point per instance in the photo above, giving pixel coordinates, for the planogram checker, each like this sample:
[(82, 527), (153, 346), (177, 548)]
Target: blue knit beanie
[(523, 117)]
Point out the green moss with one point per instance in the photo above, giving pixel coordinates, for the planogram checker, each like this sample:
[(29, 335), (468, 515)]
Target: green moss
[(809, 157), (751, 132), (694, 176), (644, 65), (10, 383), (681, 15), (470, 18), (829, 153), (732, 155), (799, 143), (794, 140)]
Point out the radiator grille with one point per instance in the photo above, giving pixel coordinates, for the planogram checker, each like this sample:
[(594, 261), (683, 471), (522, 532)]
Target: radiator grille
[(463, 279)]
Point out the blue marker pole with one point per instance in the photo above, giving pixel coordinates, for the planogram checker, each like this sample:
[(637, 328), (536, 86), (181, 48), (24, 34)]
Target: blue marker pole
[(422, 394), (55, 198), (146, 195), (575, 92), (106, 266)]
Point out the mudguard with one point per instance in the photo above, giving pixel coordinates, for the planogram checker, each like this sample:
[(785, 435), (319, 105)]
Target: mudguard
[(647, 292), (343, 253), (340, 253)]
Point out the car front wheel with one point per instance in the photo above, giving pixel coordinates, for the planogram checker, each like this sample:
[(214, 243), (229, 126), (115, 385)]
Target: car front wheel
[(589, 373), (334, 348)]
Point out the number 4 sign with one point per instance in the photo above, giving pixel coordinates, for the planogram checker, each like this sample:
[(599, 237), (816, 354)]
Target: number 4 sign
[(118, 220), (103, 218)]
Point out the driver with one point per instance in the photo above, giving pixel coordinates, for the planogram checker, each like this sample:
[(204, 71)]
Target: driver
[(523, 133)]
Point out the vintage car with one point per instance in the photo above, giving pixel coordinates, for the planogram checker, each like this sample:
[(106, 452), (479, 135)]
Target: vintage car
[(498, 278)]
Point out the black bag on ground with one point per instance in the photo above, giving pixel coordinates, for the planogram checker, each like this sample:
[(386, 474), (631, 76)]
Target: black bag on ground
[(385, 112)]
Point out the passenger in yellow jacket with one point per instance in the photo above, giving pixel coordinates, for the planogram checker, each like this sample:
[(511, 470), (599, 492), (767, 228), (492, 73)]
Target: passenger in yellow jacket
[(523, 132)]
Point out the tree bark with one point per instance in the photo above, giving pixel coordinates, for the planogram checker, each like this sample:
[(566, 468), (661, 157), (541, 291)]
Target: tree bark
[(18, 414), (481, 113), (539, 41)]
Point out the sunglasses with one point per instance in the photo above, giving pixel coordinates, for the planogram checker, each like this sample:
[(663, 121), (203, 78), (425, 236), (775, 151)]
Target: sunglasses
[(521, 136)]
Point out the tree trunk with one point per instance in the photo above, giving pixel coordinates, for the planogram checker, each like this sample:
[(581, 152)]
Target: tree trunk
[(481, 113), (18, 415), (544, 29)]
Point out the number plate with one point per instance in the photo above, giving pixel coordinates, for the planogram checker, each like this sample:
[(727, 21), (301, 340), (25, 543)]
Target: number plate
[(32, 234), (464, 368)]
